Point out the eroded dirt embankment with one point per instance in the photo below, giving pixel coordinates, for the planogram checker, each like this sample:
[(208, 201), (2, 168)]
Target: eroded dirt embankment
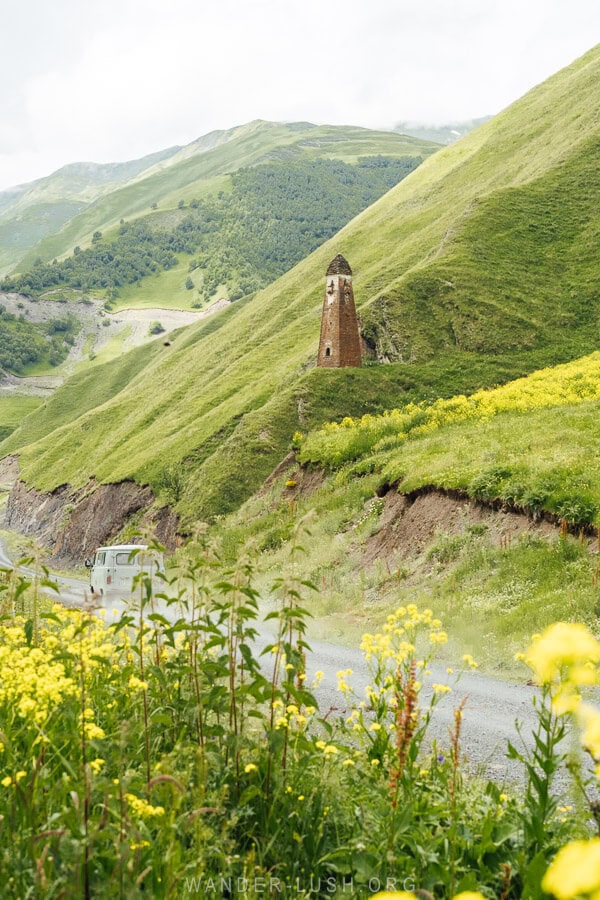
[(409, 523), (72, 523)]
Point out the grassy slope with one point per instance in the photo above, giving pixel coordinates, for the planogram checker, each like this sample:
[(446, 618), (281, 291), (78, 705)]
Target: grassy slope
[(532, 443), (491, 594), (13, 409), (224, 400), (36, 210), (491, 597), (164, 290), (245, 146)]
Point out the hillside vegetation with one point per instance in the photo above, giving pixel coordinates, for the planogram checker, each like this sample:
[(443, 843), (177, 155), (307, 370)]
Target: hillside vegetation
[(12, 411), (189, 172), (479, 267), (442, 504), (273, 216), (531, 443), (23, 343), (30, 212)]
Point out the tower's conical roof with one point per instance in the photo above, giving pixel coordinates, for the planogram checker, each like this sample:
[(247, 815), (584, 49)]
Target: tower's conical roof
[(339, 266)]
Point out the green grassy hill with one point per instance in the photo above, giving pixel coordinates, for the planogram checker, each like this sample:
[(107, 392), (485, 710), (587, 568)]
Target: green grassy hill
[(31, 212), (478, 267), (531, 444), (446, 505), (272, 216), (185, 173)]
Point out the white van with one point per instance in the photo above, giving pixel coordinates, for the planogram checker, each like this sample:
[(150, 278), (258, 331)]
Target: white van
[(112, 569)]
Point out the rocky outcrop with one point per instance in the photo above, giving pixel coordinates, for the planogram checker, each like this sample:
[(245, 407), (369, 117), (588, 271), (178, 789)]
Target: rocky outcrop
[(73, 523)]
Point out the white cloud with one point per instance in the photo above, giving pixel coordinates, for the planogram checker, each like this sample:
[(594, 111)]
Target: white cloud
[(119, 79)]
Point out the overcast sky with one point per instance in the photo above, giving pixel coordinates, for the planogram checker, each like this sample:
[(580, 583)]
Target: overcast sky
[(116, 79)]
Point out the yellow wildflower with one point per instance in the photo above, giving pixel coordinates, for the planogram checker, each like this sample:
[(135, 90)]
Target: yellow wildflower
[(589, 719), (438, 637), (565, 651), (575, 870), (142, 809), (92, 731), (250, 768), (469, 895), (139, 845), (136, 684), (468, 659), (565, 700), (96, 765)]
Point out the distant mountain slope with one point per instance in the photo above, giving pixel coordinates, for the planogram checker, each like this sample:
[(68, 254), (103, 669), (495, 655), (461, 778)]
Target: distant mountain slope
[(191, 170), (480, 266), (441, 134), (274, 215), (30, 212)]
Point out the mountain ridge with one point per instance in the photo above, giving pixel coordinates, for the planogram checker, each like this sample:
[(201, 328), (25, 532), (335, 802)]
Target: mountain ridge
[(205, 158)]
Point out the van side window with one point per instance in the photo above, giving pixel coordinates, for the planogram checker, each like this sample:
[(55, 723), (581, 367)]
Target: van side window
[(100, 557), (122, 559)]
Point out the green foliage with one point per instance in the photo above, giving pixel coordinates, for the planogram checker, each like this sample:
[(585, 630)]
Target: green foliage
[(170, 484), (23, 342), (174, 751), (136, 252), (67, 207), (274, 216)]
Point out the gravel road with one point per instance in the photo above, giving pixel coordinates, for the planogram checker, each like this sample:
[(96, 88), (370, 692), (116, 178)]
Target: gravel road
[(492, 708)]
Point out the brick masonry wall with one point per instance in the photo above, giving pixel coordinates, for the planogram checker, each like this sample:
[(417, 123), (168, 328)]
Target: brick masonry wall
[(340, 343)]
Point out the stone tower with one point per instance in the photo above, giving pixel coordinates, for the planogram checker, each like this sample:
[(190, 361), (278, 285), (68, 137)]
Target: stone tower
[(340, 343)]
